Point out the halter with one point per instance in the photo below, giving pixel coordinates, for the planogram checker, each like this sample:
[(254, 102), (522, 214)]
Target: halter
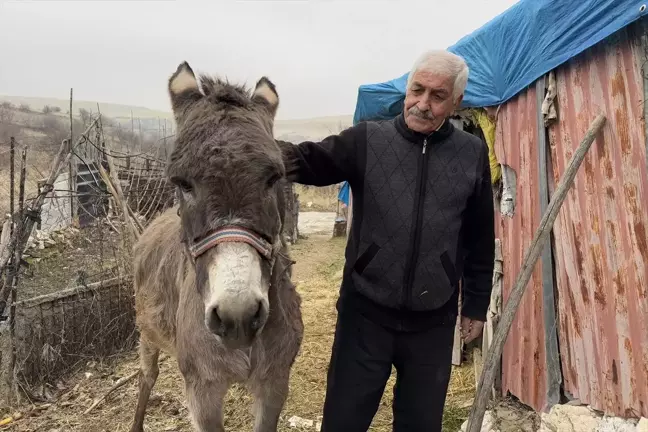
[(231, 234)]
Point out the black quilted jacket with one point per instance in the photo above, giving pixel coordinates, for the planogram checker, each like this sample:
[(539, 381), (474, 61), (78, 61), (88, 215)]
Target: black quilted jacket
[(423, 216)]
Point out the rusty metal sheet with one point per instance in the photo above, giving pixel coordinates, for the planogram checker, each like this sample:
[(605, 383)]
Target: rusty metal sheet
[(601, 238), (523, 360)]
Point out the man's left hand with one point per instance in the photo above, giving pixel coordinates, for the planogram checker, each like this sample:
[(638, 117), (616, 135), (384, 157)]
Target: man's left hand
[(470, 329)]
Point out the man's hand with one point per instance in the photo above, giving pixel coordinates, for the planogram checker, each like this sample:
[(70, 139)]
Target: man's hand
[(470, 329)]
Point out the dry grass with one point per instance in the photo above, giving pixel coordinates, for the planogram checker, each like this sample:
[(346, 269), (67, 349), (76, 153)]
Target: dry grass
[(317, 275)]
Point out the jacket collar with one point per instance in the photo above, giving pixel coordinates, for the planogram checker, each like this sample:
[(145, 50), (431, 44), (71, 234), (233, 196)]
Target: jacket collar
[(443, 132)]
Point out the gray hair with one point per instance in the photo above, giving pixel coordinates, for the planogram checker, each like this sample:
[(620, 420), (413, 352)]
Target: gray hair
[(445, 63)]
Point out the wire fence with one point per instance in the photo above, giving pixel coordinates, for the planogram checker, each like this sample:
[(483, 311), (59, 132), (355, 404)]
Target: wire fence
[(72, 218), (56, 333), (65, 256)]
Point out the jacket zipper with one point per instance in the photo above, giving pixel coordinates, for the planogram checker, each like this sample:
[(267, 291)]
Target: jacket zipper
[(417, 219)]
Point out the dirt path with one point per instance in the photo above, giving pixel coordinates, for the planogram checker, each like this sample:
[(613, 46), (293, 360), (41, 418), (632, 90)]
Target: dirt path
[(317, 276), (311, 223)]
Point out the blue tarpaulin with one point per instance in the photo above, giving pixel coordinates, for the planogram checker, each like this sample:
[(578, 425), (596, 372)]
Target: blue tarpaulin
[(343, 195), (513, 50)]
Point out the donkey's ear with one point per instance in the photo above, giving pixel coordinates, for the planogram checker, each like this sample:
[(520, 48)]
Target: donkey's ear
[(183, 86), (265, 93)]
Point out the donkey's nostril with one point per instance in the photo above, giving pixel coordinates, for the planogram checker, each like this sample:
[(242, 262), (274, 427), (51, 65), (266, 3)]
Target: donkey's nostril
[(215, 323), (258, 317), (259, 311)]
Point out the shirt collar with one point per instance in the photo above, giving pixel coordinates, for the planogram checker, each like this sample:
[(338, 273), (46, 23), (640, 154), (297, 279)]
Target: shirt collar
[(443, 131)]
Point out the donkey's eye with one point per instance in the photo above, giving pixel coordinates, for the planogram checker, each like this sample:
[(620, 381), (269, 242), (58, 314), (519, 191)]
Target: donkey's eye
[(183, 184), (273, 179)]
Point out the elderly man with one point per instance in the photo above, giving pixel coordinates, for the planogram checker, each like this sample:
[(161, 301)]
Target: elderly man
[(422, 220)]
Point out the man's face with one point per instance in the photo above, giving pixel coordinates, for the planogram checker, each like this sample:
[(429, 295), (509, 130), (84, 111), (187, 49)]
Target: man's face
[(429, 101)]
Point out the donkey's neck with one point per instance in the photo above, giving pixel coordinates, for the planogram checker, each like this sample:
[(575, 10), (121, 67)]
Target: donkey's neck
[(279, 291)]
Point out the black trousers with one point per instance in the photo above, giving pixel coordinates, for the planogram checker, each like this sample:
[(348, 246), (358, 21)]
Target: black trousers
[(361, 361)]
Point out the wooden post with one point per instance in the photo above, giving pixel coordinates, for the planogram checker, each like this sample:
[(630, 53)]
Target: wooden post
[(457, 346), (6, 374), (6, 342), (12, 184), (339, 228), (72, 170), (493, 315), (552, 356), (164, 137), (531, 257), (132, 137), (349, 213), (13, 280)]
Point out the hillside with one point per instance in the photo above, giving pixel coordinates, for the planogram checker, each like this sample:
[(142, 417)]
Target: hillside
[(311, 129), (150, 119), (42, 129), (107, 109)]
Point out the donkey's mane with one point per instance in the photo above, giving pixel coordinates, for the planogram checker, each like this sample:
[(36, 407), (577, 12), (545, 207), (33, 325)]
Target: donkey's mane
[(219, 91)]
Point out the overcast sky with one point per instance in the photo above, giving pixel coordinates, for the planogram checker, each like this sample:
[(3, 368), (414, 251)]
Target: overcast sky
[(316, 52)]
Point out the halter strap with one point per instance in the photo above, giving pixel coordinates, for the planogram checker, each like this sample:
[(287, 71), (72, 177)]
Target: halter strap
[(232, 234)]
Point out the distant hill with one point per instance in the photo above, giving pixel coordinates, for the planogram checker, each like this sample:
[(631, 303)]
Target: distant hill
[(43, 130), (108, 109), (312, 128), (149, 120)]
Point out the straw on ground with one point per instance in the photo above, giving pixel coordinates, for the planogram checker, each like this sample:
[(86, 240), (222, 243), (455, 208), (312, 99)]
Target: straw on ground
[(317, 275)]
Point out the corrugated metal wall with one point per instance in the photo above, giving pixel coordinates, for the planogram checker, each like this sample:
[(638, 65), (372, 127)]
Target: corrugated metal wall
[(601, 237), (523, 368)]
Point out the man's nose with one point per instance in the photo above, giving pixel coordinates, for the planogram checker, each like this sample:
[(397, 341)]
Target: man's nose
[(423, 104)]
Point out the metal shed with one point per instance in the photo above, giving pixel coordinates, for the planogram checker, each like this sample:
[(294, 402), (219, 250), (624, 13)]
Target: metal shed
[(582, 327)]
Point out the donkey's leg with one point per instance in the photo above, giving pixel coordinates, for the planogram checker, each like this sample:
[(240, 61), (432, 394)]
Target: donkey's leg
[(147, 376), (270, 396), (205, 403)]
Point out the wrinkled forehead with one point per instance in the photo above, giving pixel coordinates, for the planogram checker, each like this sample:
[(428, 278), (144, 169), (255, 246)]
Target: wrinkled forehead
[(432, 80)]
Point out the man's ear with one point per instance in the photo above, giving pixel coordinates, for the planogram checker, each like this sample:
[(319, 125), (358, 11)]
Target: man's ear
[(265, 93), (458, 101)]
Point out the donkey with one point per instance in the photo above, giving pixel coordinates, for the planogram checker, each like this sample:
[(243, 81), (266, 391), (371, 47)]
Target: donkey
[(212, 275)]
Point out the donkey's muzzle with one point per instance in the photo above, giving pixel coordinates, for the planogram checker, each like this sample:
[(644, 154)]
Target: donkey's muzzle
[(237, 329)]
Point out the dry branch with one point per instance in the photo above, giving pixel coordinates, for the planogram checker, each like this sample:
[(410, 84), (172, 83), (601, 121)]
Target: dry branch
[(120, 383), (120, 193), (112, 182), (134, 217), (117, 385), (123, 206), (531, 257), (58, 295)]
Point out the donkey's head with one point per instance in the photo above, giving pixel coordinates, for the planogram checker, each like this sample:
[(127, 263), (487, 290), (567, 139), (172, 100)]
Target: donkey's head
[(226, 166)]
